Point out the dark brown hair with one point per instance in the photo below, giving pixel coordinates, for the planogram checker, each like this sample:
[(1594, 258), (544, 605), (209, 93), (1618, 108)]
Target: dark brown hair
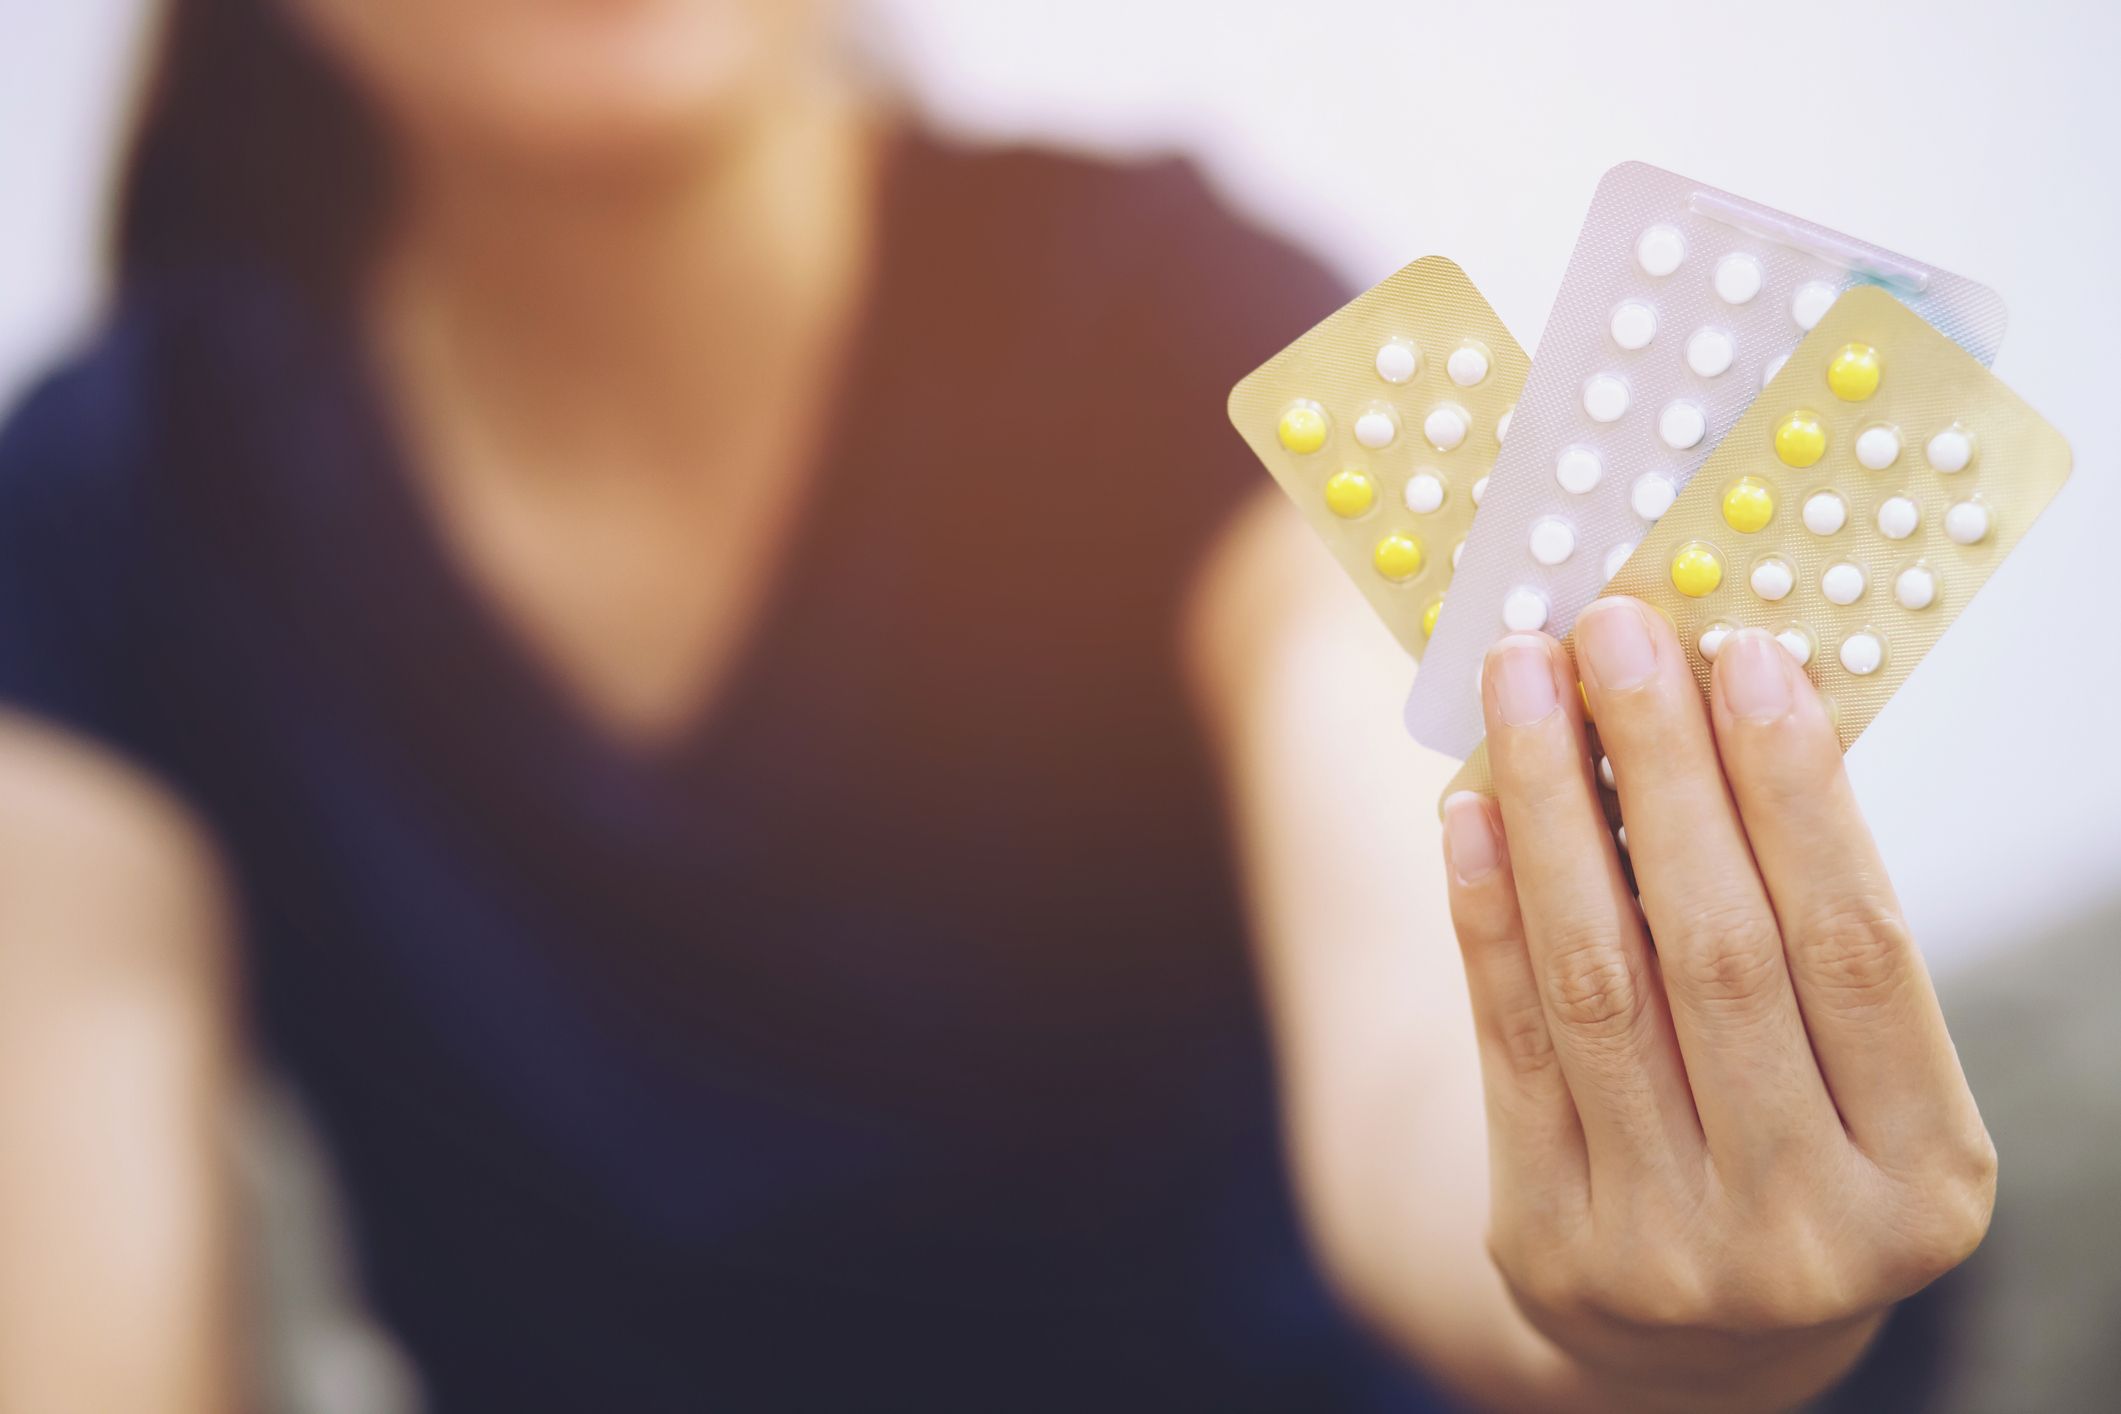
[(249, 148)]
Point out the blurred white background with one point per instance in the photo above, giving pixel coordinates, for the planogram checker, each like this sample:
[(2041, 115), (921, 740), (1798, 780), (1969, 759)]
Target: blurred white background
[(1975, 135)]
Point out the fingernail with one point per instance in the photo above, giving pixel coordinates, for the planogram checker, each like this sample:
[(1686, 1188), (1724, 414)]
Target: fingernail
[(1524, 680), (1616, 640), (1756, 676), (1469, 839)]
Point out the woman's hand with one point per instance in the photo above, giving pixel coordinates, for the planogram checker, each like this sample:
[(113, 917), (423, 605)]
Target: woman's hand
[(1727, 1128)]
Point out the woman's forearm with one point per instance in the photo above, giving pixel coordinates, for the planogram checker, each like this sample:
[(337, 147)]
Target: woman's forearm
[(115, 1270)]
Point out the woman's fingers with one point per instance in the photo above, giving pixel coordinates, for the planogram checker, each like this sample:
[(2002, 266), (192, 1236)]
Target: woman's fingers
[(1874, 1022), (1754, 1081), (1598, 985), (1532, 1127)]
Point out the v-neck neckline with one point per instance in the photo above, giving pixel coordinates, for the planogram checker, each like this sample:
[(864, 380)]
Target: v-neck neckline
[(476, 623)]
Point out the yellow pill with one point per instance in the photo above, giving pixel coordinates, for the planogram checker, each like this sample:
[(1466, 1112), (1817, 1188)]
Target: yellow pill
[(1398, 556), (1748, 505), (1303, 429), (1853, 375), (1696, 571), (1428, 618), (1351, 492), (1800, 439)]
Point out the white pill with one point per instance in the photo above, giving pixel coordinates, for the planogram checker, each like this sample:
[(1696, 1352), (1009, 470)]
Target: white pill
[(1525, 610), (1898, 517), (1950, 450), (1458, 552), (1620, 837), (1877, 447), (1797, 644), (1774, 366), (1811, 302), (1578, 469), (1737, 278), (1376, 429), (1915, 587), (1682, 425), (1467, 365), (1825, 513), (1967, 523), (1842, 584), (1605, 773), (1709, 352), (1397, 361), (1480, 490), (1605, 398), (1424, 492), (1773, 580), (1617, 557), (1552, 541), (1502, 424), (1862, 653), (1660, 250), (1711, 641), (1634, 325), (1652, 495), (1445, 427)]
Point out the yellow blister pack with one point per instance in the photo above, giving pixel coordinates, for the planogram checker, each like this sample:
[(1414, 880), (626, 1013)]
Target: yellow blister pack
[(1853, 510), (1382, 423)]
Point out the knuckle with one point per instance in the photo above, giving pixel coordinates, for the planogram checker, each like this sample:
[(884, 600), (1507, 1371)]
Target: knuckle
[(1856, 956), (1731, 954), (1591, 986), (1521, 1034)]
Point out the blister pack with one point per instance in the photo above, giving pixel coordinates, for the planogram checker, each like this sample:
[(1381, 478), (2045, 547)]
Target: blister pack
[(1382, 423), (1853, 511), (1680, 301)]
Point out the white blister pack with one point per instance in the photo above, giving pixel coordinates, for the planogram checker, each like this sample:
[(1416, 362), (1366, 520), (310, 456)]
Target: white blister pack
[(1679, 303)]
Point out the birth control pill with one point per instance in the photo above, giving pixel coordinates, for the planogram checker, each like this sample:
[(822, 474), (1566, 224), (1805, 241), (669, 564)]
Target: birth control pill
[(1634, 324), (1457, 553), (1617, 557), (1552, 541), (1397, 360), (1620, 837), (1811, 302), (1302, 429), (1429, 616), (1376, 429), (1774, 366), (1950, 450), (1897, 517), (1525, 610), (1467, 365), (1825, 513), (1502, 425), (1797, 643), (1748, 504), (1915, 587), (1709, 352), (1605, 398), (1800, 439), (1578, 469), (1842, 583), (1480, 489), (1696, 571), (1711, 641), (1877, 447), (1605, 773), (1652, 495), (1350, 493), (1773, 579), (1659, 250), (1445, 427), (1398, 556), (1737, 278), (1682, 425), (1853, 373), (1862, 653), (1424, 492), (1967, 523)]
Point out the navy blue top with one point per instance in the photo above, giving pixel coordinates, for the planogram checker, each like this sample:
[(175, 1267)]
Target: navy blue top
[(887, 1043)]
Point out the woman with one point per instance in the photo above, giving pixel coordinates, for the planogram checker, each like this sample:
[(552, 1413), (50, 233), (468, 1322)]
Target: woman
[(691, 645)]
